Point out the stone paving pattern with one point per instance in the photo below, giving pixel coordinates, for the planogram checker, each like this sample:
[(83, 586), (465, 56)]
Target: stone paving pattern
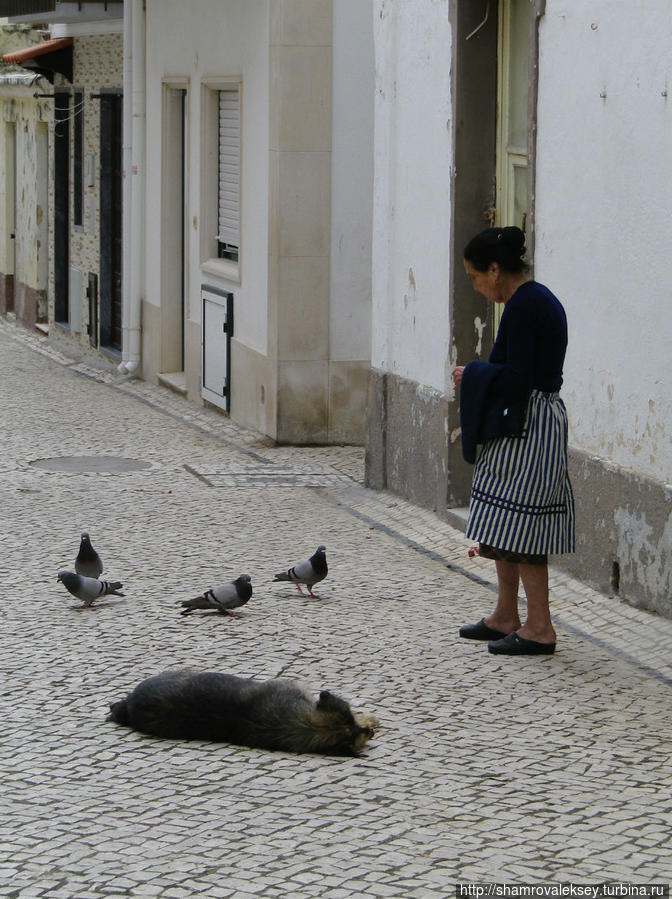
[(486, 769)]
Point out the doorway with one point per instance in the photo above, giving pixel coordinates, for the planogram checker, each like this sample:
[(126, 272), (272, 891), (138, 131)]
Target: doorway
[(512, 119), (110, 219), (173, 237), (475, 112), (62, 208), (42, 221), (8, 276)]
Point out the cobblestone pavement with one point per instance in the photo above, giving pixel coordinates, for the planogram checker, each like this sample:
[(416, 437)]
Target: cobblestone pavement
[(485, 769)]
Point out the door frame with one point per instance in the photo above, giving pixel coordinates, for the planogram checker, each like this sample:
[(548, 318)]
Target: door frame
[(174, 232), (62, 208), (8, 276), (111, 224)]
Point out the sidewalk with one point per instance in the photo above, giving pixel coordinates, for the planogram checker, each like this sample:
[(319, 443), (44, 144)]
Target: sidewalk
[(485, 769)]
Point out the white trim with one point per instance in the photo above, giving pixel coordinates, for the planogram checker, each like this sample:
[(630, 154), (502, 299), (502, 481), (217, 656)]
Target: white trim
[(86, 29), (222, 268)]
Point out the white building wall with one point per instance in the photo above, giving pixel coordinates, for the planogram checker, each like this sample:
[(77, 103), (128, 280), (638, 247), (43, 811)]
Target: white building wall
[(204, 40), (604, 228), (352, 177), (412, 191)]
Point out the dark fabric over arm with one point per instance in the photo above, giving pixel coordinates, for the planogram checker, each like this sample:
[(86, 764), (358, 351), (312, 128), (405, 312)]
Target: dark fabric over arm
[(492, 404)]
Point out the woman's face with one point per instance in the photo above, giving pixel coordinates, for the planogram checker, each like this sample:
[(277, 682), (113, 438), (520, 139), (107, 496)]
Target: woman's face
[(485, 282)]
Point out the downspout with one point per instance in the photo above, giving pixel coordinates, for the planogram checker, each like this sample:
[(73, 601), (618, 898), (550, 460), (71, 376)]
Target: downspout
[(133, 164)]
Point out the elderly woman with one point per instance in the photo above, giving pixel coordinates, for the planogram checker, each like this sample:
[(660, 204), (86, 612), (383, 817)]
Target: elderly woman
[(521, 507)]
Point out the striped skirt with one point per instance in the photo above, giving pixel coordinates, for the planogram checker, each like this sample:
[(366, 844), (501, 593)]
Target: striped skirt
[(521, 497)]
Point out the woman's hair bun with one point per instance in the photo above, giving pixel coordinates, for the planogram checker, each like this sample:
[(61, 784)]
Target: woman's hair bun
[(514, 237), (505, 246)]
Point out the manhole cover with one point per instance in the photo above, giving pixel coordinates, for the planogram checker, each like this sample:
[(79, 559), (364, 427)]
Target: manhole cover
[(100, 464)]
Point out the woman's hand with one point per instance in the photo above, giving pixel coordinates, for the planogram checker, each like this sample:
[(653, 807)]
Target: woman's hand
[(457, 375)]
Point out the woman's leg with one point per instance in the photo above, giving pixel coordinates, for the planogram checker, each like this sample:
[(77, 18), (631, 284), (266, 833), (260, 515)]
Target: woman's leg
[(505, 616), (538, 625)]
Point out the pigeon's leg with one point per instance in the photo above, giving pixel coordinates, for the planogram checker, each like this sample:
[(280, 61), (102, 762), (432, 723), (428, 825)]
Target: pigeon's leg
[(314, 595), (298, 587), (84, 606)]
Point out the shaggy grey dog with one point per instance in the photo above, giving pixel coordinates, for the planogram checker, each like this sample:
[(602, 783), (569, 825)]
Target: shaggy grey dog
[(273, 714)]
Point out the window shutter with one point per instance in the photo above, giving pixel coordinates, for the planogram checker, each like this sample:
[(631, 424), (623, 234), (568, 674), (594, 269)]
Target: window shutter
[(229, 167)]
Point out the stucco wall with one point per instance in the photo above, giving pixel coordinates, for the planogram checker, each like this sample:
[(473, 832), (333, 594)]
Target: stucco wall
[(24, 201), (603, 221), (352, 177), (97, 65), (602, 228), (412, 191), (201, 41), (302, 290)]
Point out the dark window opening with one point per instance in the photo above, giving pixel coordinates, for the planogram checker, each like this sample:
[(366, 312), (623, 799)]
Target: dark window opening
[(78, 160), (227, 251), (61, 207)]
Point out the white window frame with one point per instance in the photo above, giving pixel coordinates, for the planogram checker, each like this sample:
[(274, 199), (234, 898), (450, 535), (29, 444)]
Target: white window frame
[(211, 178)]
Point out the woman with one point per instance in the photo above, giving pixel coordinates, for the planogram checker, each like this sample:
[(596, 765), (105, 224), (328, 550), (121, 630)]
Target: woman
[(522, 507)]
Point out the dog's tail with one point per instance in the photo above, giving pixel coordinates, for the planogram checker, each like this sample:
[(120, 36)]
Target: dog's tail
[(119, 712)]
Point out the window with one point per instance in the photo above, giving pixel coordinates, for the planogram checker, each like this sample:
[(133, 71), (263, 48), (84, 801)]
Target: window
[(513, 79), (221, 176), (228, 210)]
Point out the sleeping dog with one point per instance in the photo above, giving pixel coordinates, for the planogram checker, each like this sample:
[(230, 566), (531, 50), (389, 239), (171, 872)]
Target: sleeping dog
[(272, 714)]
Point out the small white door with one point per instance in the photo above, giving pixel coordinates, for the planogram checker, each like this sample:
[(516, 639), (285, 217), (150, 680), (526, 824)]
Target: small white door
[(217, 310)]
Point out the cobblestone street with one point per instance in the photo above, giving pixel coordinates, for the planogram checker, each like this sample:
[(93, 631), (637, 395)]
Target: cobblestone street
[(485, 769)]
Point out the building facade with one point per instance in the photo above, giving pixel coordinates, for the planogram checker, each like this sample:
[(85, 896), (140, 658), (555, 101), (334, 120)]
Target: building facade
[(279, 229), (258, 184), (24, 179), (481, 120)]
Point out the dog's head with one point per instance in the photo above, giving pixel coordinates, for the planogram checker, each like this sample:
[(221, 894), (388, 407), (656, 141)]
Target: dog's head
[(349, 732)]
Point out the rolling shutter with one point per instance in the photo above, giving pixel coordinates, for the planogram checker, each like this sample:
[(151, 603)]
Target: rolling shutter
[(228, 235)]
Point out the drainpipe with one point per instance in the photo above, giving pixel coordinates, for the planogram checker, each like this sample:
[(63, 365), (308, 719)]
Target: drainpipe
[(133, 164)]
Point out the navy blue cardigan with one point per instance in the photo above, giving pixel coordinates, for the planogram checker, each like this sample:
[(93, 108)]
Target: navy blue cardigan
[(528, 354)]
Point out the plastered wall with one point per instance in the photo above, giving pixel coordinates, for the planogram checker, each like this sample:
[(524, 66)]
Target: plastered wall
[(603, 221), (412, 191), (97, 65), (24, 202)]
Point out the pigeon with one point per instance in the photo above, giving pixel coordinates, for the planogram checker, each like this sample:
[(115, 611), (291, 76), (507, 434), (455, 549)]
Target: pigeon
[(310, 572), (88, 589), (224, 599), (88, 562)]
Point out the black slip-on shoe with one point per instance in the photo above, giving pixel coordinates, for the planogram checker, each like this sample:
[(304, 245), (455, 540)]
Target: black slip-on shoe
[(513, 645), (480, 631)]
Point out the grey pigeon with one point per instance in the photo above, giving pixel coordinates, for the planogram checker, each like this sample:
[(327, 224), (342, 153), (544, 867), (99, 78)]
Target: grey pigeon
[(310, 572), (88, 589), (224, 599), (88, 563)]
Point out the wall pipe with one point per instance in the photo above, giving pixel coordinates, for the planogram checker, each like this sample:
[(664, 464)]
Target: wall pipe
[(133, 165)]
